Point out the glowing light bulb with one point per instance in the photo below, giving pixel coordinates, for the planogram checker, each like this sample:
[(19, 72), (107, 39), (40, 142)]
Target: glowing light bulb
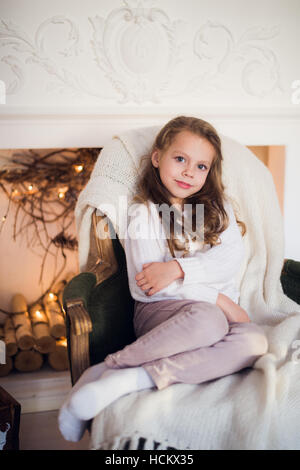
[(62, 192), (51, 297), (38, 314), (78, 168)]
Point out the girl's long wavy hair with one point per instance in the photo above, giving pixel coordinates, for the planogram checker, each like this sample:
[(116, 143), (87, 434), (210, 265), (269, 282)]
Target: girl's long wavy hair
[(149, 186)]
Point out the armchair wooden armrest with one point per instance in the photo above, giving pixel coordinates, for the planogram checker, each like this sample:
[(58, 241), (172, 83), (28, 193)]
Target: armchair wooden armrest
[(79, 324)]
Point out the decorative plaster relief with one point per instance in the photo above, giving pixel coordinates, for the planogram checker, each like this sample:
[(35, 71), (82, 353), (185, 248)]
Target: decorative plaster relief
[(137, 49), (35, 52), (215, 45)]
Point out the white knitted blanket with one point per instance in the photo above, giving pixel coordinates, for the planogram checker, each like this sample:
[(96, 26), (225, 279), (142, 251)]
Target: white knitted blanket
[(257, 408)]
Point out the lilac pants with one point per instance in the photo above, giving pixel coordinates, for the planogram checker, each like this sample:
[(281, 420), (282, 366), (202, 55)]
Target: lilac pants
[(187, 341)]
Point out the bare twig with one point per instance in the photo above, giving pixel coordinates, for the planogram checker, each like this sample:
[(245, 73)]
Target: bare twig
[(32, 183)]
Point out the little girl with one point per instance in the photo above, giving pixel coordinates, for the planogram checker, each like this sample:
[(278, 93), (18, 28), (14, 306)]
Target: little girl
[(189, 326)]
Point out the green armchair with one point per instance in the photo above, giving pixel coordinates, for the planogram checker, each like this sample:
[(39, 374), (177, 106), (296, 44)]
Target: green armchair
[(290, 279), (99, 307)]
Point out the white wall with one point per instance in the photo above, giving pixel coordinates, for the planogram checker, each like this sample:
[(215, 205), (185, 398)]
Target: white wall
[(78, 72)]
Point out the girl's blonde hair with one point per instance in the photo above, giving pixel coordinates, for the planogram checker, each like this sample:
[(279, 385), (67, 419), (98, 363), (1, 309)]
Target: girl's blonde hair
[(150, 187)]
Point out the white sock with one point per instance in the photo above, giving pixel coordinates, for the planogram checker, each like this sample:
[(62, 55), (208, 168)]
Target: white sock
[(71, 427), (91, 398)]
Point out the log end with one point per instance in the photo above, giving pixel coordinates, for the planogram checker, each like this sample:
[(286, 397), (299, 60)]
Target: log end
[(26, 342), (6, 368), (28, 361), (45, 344)]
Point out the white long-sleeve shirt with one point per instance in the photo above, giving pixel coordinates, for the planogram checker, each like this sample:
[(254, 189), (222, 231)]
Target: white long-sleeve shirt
[(208, 271)]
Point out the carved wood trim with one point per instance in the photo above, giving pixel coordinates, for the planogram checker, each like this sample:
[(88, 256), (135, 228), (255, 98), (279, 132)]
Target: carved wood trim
[(81, 326)]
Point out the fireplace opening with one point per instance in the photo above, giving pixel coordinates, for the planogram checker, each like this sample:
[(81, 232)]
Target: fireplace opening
[(40, 188), (273, 156)]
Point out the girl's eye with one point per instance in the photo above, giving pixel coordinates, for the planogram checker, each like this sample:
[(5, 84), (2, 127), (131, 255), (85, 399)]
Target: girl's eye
[(204, 167), (201, 166)]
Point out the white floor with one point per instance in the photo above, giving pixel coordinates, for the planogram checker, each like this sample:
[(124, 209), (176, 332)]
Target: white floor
[(39, 431)]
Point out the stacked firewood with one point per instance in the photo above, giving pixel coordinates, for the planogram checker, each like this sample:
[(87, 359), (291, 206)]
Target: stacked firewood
[(35, 335)]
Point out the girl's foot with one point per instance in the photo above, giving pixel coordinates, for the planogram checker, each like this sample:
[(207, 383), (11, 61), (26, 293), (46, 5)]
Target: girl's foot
[(71, 427), (93, 397)]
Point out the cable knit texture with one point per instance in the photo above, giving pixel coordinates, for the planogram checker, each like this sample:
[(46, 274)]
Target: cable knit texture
[(257, 408)]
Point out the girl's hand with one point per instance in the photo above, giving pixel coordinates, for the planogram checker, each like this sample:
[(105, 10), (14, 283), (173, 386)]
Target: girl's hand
[(156, 276), (232, 311)]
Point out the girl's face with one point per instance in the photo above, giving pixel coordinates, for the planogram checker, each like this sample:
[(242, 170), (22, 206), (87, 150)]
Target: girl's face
[(184, 166)]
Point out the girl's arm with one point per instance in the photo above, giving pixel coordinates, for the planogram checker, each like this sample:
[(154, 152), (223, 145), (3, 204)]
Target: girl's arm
[(232, 311), (221, 262), (145, 257), (156, 276), (148, 273)]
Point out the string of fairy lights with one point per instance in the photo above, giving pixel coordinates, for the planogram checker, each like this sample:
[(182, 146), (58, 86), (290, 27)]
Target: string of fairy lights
[(43, 187)]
